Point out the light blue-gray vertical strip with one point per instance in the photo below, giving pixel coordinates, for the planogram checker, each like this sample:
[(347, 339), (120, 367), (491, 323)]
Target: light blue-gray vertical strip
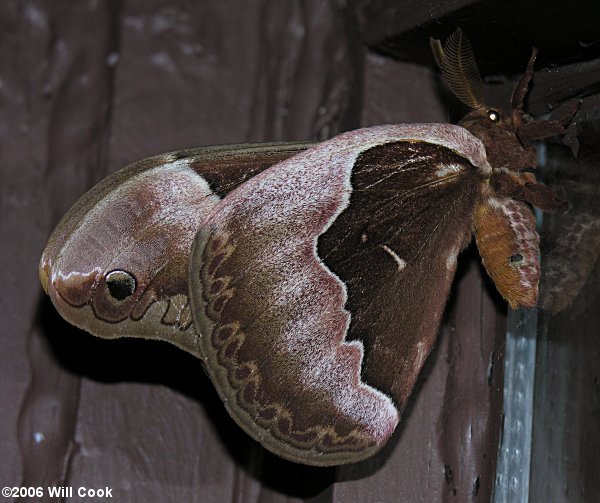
[(514, 456), (513, 470)]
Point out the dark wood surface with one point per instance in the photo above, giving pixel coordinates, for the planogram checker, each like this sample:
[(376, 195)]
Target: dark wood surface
[(88, 87), (502, 32)]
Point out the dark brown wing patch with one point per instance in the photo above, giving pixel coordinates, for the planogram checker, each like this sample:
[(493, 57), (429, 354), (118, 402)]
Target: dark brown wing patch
[(413, 202)]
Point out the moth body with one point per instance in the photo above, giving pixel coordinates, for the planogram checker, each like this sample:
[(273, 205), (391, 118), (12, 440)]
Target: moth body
[(509, 247)]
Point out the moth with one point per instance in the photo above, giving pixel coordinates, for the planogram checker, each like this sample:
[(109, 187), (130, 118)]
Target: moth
[(310, 279)]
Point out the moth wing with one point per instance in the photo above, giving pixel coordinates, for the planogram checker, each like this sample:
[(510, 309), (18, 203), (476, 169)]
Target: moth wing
[(319, 284), (140, 222)]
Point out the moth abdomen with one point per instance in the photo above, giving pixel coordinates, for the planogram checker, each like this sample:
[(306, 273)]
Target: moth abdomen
[(509, 246)]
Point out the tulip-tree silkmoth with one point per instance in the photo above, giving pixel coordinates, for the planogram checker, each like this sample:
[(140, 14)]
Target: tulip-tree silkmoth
[(309, 279)]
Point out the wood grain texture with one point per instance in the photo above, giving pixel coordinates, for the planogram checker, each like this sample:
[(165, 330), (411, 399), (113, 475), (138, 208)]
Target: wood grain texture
[(158, 76)]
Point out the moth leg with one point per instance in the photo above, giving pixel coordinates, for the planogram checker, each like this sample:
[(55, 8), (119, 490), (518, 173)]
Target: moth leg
[(540, 130), (521, 90)]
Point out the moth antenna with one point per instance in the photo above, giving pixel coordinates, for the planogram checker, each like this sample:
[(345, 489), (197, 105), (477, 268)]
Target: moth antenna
[(521, 90), (459, 68), (437, 51)]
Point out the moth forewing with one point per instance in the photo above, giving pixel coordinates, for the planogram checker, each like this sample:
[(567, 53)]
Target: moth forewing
[(295, 278)]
